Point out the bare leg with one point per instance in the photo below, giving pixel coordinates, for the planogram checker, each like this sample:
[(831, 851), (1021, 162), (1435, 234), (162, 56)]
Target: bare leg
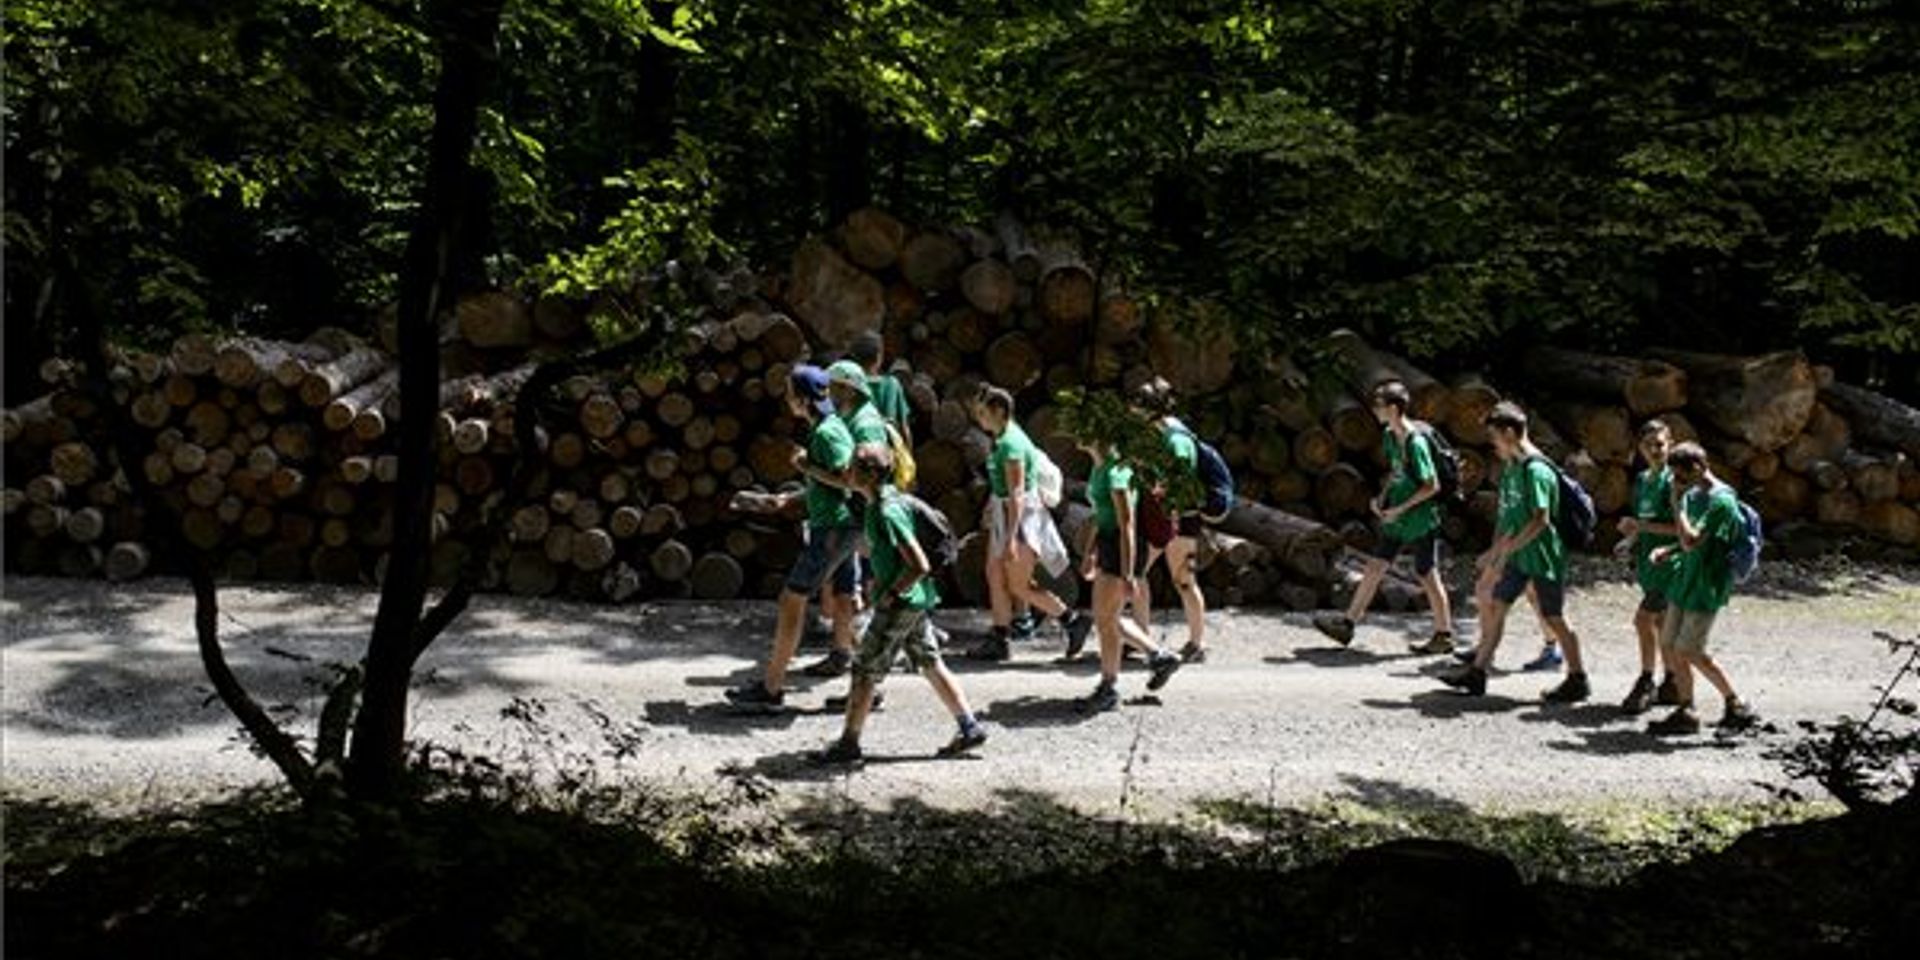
[(1019, 574), (859, 706), (947, 689), (840, 608), (1493, 619), (1180, 566), (1558, 629), (1369, 584), (999, 598), (786, 638), (1711, 670), (1143, 592), (1646, 624), (1438, 602)]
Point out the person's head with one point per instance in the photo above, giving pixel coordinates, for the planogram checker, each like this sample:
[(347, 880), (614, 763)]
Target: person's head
[(807, 392), (993, 409), (1656, 439), (1507, 429), (1390, 400), (1688, 461), (1155, 397), (846, 385), (869, 350), (872, 467)]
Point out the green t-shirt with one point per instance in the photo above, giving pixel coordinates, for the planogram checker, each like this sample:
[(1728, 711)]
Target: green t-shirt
[(1527, 487), (1012, 444), (830, 449), (1702, 581), (1185, 452), (1109, 476), (867, 425), (1652, 503), (887, 396), (1409, 468), (889, 528)]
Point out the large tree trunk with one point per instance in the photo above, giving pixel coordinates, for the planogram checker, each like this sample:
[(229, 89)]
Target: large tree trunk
[(1304, 547), (1647, 387), (1765, 400), (1875, 418), (454, 204)]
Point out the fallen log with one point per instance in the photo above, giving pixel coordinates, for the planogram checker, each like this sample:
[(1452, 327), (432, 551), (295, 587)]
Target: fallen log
[(1646, 387), (1875, 418), (1765, 400)]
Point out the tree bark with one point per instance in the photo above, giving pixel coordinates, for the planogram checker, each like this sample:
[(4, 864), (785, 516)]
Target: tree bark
[(1875, 418), (1646, 387), (1763, 400), (1304, 547)]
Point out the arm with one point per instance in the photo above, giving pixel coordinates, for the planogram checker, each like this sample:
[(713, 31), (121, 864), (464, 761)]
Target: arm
[(917, 568)]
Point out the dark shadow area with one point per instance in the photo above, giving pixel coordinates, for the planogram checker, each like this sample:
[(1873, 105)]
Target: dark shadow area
[(1448, 704), (1627, 742), (1585, 716), (1336, 656), (1036, 712), (718, 717)]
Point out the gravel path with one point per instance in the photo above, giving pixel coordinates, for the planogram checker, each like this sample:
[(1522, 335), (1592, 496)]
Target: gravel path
[(104, 699)]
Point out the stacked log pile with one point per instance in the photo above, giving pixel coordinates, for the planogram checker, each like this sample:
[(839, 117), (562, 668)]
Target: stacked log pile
[(277, 456)]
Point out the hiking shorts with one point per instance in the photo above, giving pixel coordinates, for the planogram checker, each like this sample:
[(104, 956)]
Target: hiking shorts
[(1685, 631), (1653, 601), (1551, 595), (890, 632), (1425, 549), (1107, 548), (829, 553)]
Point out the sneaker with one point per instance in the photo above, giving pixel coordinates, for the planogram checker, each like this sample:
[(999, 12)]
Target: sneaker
[(754, 697), (835, 664), (1640, 698), (1737, 716), (1435, 645), (1468, 679), (1025, 626), (1466, 654), (1679, 723), (1336, 626), (994, 649), (844, 752), (1163, 665), (1103, 698), (838, 702), (1549, 659), (1077, 630), (1193, 653), (1571, 690), (964, 742), (1668, 695)]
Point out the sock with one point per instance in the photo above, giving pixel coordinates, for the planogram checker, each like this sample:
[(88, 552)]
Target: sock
[(968, 723)]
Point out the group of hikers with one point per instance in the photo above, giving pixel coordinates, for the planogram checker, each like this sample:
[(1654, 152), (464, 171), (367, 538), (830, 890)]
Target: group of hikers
[(872, 547)]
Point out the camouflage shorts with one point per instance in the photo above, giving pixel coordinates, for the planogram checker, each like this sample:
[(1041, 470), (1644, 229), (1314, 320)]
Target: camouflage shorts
[(891, 631)]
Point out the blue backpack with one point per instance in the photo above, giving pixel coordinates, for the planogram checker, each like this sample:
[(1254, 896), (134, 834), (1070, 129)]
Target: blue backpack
[(1743, 557), (1577, 517), (1215, 476)]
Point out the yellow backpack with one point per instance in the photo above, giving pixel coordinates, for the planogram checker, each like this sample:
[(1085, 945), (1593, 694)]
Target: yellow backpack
[(905, 471)]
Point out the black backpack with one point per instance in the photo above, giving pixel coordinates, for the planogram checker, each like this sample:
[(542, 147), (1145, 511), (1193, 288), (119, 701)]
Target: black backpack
[(1576, 518), (930, 527), (1446, 461)]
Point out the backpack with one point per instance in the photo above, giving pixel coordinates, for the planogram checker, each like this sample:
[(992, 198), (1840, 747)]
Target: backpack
[(931, 529), (1446, 461), (1743, 557), (905, 471), (1576, 518), (1047, 479), (1215, 477)]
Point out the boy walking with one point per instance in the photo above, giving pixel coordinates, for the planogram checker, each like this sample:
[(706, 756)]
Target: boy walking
[(903, 596), (1409, 521), (1650, 528), (1526, 552), (889, 398), (1179, 538), (1709, 520)]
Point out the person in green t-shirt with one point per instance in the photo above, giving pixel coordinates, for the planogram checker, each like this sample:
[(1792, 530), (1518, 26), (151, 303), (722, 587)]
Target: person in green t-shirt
[(833, 537), (889, 398), (1650, 528), (847, 386), (904, 594), (1527, 553), (1409, 521), (1020, 533), (1112, 564), (1178, 536), (1710, 523)]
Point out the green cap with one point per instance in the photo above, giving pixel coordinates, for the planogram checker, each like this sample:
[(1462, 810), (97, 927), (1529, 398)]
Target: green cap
[(850, 375)]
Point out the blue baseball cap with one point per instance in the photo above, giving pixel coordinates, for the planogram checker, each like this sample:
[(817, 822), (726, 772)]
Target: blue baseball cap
[(810, 382)]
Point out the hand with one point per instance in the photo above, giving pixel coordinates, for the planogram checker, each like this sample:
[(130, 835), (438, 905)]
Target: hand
[(1623, 549), (1374, 505), (1661, 555), (1488, 560), (800, 460), (1392, 514), (1629, 526)]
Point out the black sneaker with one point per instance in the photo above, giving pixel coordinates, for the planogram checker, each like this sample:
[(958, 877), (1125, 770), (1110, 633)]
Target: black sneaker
[(1433, 646), (1336, 626), (1025, 626), (1468, 679), (1640, 698), (1076, 630), (835, 664), (1737, 716), (1193, 653), (1466, 654), (1162, 666), (993, 649), (1681, 722), (964, 742), (838, 702), (1571, 690), (1668, 695), (843, 753), (754, 697), (1103, 698)]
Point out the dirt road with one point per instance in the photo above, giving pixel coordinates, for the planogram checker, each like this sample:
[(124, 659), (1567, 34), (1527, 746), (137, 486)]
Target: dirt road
[(104, 698)]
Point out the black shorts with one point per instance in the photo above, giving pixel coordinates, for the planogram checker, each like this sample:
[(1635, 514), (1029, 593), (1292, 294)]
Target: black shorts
[(1190, 525), (1107, 550), (1653, 601), (1426, 551), (1551, 595)]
